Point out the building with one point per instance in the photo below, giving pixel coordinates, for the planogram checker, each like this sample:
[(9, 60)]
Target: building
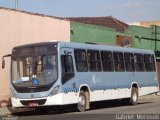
[(146, 23), (149, 23), (17, 28), (102, 30), (146, 38), (108, 21)]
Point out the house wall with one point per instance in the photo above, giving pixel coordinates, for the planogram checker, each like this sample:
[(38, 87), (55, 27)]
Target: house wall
[(17, 28), (149, 23), (144, 37), (91, 33)]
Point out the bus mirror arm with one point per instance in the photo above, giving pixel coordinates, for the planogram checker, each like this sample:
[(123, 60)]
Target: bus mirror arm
[(3, 61)]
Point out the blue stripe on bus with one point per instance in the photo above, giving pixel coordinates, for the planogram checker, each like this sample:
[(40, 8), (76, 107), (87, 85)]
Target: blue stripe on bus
[(66, 90)]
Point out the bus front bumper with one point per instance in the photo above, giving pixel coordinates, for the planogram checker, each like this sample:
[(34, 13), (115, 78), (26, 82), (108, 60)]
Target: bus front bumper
[(35, 102)]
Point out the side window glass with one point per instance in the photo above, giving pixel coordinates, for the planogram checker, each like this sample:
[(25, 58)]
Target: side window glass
[(129, 62), (107, 61), (81, 60), (139, 62), (149, 63), (94, 63), (118, 61)]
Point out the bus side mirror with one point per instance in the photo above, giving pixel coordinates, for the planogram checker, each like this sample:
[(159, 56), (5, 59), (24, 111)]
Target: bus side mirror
[(3, 63)]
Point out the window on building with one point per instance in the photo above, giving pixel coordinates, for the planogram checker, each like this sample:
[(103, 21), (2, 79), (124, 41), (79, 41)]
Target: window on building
[(129, 62), (81, 60), (118, 61), (94, 63), (139, 62), (107, 61), (149, 63)]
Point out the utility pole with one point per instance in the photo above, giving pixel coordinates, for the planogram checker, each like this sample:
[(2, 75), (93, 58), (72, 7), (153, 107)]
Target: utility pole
[(155, 37), (16, 4)]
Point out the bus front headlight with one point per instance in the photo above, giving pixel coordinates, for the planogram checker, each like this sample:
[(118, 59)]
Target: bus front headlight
[(54, 91)]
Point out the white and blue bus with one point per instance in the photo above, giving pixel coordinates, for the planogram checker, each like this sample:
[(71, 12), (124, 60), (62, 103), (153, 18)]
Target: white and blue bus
[(61, 73)]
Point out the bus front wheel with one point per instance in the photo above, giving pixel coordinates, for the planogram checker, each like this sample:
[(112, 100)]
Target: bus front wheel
[(134, 96), (82, 101)]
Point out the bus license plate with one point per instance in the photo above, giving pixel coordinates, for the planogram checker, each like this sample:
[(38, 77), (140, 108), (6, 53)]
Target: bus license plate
[(33, 104)]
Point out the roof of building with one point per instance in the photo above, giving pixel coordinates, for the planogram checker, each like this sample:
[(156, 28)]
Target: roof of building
[(37, 14), (109, 21)]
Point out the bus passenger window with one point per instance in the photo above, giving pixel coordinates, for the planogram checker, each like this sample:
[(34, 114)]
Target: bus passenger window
[(107, 61), (129, 62), (149, 63), (139, 62), (81, 60), (94, 63), (118, 61)]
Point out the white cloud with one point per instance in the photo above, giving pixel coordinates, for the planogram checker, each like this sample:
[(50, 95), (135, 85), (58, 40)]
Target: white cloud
[(132, 4)]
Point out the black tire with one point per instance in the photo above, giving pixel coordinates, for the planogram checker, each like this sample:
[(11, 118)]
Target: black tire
[(134, 96), (82, 101)]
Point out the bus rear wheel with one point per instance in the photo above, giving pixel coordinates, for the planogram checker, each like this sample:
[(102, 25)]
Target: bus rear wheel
[(134, 96), (82, 101)]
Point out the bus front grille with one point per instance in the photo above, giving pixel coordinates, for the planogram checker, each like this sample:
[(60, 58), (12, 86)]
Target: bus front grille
[(39, 102)]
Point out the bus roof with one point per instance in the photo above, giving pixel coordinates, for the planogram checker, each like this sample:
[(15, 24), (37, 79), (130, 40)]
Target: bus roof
[(90, 47), (104, 47)]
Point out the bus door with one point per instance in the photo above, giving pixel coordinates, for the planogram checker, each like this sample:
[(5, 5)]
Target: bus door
[(67, 68)]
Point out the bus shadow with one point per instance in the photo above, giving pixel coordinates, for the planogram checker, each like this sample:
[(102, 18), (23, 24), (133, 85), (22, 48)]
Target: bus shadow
[(48, 111), (112, 104), (72, 108)]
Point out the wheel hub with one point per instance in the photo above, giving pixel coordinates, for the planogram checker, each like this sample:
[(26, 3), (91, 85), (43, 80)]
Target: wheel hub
[(82, 100), (134, 97)]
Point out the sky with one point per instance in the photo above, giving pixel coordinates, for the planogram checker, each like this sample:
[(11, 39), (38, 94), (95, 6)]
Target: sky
[(124, 10)]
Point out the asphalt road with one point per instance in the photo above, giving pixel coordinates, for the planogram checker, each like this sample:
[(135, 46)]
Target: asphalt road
[(112, 110)]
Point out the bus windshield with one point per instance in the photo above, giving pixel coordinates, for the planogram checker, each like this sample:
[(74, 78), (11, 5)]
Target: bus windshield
[(34, 70)]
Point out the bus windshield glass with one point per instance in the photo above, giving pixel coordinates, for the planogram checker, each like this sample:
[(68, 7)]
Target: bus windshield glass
[(34, 70)]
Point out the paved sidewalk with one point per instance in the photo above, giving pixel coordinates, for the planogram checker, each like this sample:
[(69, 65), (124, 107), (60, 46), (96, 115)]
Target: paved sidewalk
[(10, 110), (149, 98), (4, 111), (142, 99)]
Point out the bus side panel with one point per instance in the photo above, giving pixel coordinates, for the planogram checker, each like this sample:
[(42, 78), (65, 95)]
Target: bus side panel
[(115, 85), (147, 82), (105, 86)]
